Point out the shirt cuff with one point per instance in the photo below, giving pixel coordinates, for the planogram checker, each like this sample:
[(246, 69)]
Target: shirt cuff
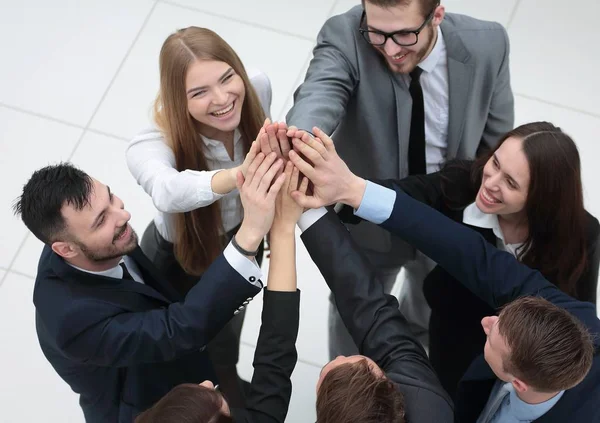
[(377, 203), (309, 218), (247, 268)]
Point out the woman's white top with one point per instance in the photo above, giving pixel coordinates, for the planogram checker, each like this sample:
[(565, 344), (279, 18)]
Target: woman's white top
[(152, 163), (473, 216)]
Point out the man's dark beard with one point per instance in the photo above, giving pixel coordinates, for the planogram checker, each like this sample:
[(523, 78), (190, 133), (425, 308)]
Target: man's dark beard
[(109, 253)]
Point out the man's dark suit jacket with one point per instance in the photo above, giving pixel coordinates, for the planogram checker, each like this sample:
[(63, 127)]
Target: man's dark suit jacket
[(121, 344), (453, 305), (378, 328), (274, 360), (497, 278)]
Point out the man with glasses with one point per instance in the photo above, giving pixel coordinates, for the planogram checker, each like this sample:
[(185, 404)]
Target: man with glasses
[(411, 87)]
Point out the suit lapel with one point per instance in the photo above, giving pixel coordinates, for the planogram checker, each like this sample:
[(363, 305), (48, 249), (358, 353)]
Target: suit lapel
[(152, 276), (460, 76)]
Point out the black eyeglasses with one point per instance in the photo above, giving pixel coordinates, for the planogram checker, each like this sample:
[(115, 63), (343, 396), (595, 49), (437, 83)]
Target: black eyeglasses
[(403, 37)]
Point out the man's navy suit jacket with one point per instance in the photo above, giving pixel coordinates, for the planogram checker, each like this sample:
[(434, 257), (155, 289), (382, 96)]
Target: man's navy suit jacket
[(497, 278), (122, 345)]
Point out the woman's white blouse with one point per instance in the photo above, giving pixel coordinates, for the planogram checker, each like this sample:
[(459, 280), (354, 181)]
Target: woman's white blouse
[(152, 163)]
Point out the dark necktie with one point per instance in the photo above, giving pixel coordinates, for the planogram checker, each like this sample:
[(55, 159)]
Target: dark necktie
[(126, 274), (416, 144)]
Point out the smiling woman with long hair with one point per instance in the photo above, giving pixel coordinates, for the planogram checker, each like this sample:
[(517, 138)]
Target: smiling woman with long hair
[(207, 114), (525, 196)]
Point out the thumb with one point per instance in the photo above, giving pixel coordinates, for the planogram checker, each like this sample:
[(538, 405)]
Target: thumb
[(305, 201), (239, 180)]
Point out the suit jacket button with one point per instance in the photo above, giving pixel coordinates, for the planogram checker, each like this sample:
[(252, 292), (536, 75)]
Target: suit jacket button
[(245, 302), (252, 279), (236, 312), (249, 299)]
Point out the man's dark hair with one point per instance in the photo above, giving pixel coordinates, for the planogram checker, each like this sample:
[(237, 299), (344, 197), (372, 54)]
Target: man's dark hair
[(427, 6), (352, 393), (187, 403), (44, 195)]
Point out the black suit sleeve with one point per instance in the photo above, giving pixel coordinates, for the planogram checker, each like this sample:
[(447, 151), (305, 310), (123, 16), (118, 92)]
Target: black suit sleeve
[(587, 284), (493, 275), (119, 339), (275, 358), (378, 328)]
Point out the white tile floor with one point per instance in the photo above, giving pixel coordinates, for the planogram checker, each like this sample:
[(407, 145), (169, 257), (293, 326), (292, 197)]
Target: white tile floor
[(77, 80)]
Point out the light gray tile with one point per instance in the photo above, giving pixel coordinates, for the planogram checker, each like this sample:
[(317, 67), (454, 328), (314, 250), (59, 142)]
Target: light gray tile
[(553, 53), (304, 381), (34, 391), (60, 56), (303, 18), (126, 109), (27, 143)]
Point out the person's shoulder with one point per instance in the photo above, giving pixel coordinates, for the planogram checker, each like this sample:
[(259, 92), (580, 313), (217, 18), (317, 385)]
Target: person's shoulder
[(592, 227), (458, 22), (344, 25)]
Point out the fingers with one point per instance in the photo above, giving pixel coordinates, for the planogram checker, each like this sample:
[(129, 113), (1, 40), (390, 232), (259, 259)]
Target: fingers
[(272, 138), (266, 173), (284, 142), (310, 153), (252, 152), (260, 157), (289, 170), (265, 147), (266, 123), (305, 201), (239, 180), (294, 176), (291, 131), (303, 185), (302, 165), (327, 142), (275, 188), (315, 144)]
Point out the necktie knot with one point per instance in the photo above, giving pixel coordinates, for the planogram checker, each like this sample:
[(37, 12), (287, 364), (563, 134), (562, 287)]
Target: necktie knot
[(416, 74)]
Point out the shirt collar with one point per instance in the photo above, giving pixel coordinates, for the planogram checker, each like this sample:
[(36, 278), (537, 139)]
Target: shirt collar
[(529, 412), (436, 54), (114, 272), (209, 142)]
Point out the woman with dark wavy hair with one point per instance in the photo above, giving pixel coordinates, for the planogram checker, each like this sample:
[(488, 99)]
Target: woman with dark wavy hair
[(525, 197)]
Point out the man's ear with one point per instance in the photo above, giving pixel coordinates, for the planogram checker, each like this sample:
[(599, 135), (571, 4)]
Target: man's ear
[(64, 249), (519, 385)]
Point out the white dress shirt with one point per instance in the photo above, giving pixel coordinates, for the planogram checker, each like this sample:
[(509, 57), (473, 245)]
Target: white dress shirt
[(473, 216), (152, 163), (434, 82)]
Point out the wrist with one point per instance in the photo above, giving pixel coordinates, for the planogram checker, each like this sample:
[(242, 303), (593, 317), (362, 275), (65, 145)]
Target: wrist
[(248, 238), (283, 228), (355, 192)]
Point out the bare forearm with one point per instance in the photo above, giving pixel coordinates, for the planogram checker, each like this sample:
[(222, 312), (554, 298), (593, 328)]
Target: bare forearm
[(223, 182), (282, 266)]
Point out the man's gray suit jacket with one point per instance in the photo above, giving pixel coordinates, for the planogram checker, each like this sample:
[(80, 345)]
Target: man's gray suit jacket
[(350, 91)]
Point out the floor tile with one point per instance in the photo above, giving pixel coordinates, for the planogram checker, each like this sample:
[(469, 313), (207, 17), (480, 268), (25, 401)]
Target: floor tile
[(36, 392), (301, 18), (126, 109), (552, 53), (27, 143), (312, 333), (304, 381), (61, 54), (584, 130)]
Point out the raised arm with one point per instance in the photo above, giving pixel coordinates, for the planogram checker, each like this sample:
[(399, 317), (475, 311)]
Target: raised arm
[(276, 355), (122, 339), (330, 79), (152, 163)]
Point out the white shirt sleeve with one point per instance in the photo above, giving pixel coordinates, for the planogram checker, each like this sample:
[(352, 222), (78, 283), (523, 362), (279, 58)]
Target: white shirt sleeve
[(152, 163), (247, 268)]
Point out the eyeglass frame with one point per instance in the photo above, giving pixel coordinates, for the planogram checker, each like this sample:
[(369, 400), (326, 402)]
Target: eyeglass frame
[(389, 35)]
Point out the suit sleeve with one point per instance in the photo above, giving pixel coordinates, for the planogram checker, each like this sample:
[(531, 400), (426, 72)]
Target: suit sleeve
[(330, 79), (377, 327), (493, 275), (275, 357), (119, 339), (587, 285), (501, 115)]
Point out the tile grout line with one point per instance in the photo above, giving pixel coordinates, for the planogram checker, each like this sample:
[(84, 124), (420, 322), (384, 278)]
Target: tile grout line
[(113, 79), (512, 14), (14, 259), (217, 15), (29, 112), (560, 106)]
